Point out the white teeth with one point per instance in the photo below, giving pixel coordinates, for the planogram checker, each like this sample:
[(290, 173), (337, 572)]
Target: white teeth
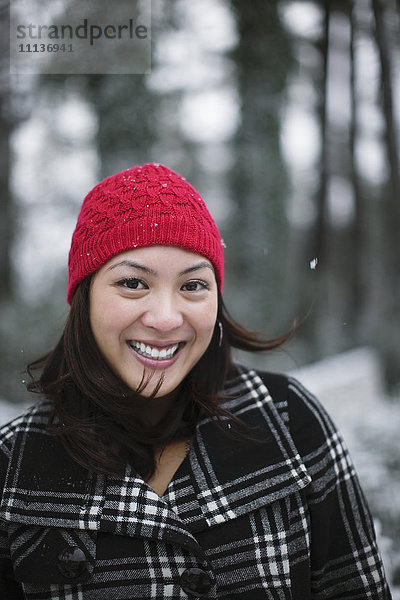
[(155, 353)]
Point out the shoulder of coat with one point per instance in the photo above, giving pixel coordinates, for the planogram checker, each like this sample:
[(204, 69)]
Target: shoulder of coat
[(36, 417), (246, 385)]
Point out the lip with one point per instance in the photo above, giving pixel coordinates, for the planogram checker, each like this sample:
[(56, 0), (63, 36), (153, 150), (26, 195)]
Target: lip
[(153, 363)]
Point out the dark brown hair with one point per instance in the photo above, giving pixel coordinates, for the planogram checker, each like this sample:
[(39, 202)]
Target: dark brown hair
[(99, 418)]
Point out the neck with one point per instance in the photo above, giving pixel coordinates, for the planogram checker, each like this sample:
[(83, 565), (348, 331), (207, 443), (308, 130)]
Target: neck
[(158, 407)]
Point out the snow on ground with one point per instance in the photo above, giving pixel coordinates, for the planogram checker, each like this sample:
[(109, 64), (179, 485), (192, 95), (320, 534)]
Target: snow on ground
[(9, 410)]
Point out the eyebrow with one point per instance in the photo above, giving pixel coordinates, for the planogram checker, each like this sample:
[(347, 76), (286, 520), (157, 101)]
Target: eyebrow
[(196, 268), (136, 265), (133, 265)]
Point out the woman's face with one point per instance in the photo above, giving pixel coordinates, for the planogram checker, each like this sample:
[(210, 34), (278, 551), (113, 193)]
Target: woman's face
[(154, 308)]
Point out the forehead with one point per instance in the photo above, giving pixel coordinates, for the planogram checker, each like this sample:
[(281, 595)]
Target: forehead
[(171, 256)]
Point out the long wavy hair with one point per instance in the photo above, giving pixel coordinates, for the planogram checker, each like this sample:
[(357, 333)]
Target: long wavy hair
[(99, 418)]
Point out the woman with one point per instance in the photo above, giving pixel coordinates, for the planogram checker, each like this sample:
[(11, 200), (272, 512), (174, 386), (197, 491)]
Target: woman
[(155, 467)]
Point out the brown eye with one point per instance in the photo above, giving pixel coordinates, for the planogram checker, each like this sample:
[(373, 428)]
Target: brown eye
[(132, 283), (195, 286)]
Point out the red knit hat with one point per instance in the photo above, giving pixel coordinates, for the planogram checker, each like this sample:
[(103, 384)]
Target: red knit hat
[(142, 206)]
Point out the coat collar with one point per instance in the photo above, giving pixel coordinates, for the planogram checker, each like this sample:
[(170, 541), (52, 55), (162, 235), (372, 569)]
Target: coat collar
[(232, 475), (227, 476)]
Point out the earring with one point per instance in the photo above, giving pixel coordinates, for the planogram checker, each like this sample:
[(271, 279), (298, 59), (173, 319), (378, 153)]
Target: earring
[(221, 333)]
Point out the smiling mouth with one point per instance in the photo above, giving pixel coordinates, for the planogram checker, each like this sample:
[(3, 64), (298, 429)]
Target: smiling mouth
[(154, 353)]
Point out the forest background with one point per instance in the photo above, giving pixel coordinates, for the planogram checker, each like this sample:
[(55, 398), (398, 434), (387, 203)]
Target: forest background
[(285, 115)]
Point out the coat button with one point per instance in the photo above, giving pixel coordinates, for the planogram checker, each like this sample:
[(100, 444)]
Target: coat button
[(195, 582), (72, 562)]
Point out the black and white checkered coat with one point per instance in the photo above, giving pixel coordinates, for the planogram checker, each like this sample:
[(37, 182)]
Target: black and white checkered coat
[(284, 519)]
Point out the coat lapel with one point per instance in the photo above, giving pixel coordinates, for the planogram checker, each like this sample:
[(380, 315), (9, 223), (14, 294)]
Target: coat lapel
[(44, 487)]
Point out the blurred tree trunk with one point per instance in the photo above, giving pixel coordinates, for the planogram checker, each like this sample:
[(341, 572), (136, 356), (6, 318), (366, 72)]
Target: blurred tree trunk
[(315, 240), (128, 110), (6, 220), (383, 41), (319, 239), (258, 236), (337, 286), (386, 41), (357, 282), (125, 110)]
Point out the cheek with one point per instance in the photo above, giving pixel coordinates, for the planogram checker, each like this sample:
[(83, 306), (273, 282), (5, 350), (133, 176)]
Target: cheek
[(206, 320), (105, 319)]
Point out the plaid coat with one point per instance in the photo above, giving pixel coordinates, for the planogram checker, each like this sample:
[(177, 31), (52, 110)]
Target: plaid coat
[(280, 519)]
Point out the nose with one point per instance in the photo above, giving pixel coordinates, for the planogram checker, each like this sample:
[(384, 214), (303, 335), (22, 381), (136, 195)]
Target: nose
[(163, 313)]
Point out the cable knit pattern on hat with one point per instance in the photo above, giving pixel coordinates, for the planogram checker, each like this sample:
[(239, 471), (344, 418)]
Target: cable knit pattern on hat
[(141, 206)]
